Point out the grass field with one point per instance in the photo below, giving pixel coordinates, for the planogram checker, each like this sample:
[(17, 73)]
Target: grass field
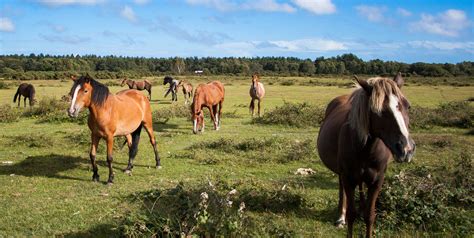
[(47, 189)]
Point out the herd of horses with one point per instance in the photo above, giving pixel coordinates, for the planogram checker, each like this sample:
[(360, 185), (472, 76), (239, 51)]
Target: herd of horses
[(360, 132)]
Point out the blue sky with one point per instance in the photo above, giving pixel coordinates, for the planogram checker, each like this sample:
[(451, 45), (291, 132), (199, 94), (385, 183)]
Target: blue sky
[(403, 30)]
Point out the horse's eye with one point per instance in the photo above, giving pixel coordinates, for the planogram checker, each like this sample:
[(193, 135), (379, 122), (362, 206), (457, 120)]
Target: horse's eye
[(398, 107), (85, 91)]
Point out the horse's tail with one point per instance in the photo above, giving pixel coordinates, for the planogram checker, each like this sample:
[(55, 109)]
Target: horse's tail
[(135, 139), (16, 95)]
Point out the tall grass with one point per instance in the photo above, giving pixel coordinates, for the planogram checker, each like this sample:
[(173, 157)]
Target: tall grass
[(293, 114)]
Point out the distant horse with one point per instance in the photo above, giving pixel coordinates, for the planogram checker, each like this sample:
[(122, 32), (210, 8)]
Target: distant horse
[(27, 91), (257, 92), (173, 89), (122, 114), (210, 95), (359, 135), (187, 90), (138, 85)]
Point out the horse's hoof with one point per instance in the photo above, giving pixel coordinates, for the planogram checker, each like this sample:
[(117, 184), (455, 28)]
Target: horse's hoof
[(95, 179), (129, 172), (110, 183), (158, 167), (340, 223)]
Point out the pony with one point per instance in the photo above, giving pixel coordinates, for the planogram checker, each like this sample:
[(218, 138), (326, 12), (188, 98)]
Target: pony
[(138, 85), (360, 133), (27, 91), (173, 89), (122, 114), (210, 95), (187, 90), (257, 92)]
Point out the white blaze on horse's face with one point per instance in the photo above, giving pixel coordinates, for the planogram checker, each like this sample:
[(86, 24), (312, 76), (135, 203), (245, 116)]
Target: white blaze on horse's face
[(74, 109), (195, 125), (394, 107)]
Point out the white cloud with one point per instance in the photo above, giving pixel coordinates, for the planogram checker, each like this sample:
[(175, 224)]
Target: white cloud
[(128, 13), (318, 7), (257, 5), (67, 39), (56, 3), (372, 13), (6, 24), (449, 23), (403, 12), (443, 45), (309, 45), (141, 2)]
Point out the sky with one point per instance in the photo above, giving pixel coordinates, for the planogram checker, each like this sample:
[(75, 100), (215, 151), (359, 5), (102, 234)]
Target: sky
[(403, 30)]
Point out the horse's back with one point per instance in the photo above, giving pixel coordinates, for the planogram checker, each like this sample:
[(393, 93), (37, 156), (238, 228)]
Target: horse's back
[(212, 92), (130, 109), (335, 117)]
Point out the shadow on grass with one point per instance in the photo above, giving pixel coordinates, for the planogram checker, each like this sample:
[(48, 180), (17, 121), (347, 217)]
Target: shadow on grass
[(49, 166), (164, 127), (101, 230)]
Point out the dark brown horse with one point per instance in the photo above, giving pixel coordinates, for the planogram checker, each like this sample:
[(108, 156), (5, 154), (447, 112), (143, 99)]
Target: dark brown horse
[(27, 91), (187, 90), (138, 85), (359, 135), (210, 95), (122, 114), (257, 92)]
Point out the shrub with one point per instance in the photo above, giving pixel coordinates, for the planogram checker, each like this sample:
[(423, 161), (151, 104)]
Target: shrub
[(162, 115), (31, 140), (451, 114), (4, 85), (52, 110), (9, 114), (293, 114)]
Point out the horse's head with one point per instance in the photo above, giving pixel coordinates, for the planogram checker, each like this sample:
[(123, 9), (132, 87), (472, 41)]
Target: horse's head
[(84, 92), (197, 118), (255, 80), (167, 79), (388, 116)]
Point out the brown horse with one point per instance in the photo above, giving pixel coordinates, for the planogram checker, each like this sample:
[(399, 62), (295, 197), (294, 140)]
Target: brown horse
[(138, 85), (187, 90), (210, 95), (359, 135), (122, 114), (27, 91), (257, 92)]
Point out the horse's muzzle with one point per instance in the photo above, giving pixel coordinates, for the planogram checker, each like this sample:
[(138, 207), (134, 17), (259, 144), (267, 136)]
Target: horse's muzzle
[(73, 112), (404, 151)]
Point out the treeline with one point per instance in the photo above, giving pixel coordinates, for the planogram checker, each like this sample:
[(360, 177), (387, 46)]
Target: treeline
[(28, 67)]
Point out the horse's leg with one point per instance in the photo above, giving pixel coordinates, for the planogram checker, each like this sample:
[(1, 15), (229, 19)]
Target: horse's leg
[(133, 149), (342, 205), (372, 194), (220, 111), (24, 101), (252, 106), (19, 100), (361, 199), (259, 100), (351, 213), (148, 124), (213, 116), (216, 116), (94, 144), (110, 147)]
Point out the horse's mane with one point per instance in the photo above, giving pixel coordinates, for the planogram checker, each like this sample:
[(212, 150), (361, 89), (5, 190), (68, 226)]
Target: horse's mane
[(32, 91), (363, 104), (100, 92)]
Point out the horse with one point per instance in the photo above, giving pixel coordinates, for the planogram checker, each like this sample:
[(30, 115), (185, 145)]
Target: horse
[(173, 89), (122, 114), (360, 133), (257, 92), (27, 91), (210, 95), (138, 85), (187, 90)]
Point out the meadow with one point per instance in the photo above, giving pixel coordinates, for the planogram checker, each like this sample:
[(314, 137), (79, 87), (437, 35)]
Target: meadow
[(46, 187)]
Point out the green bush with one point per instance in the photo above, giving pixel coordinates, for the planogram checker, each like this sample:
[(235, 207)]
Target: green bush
[(9, 114), (451, 114), (4, 85), (293, 114), (176, 110), (52, 110)]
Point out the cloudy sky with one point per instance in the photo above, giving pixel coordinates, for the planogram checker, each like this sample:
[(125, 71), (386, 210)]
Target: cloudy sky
[(402, 30)]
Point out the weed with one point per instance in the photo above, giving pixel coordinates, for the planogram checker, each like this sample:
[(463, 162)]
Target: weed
[(451, 114), (9, 114), (162, 115), (293, 114), (31, 140)]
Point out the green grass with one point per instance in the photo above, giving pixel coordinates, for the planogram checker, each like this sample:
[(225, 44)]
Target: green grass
[(47, 190)]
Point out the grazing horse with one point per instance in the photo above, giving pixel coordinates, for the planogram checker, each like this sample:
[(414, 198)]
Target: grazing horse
[(27, 91), (359, 135), (257, 92), (187, 90), (122, 114), (173, 89), (210, 95), (138, 85)]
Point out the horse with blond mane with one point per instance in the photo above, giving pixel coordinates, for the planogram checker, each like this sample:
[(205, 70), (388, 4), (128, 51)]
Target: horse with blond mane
[(210, 95), (360, 133), (257, 92), (122, 114), (187, 90), (138, 85)]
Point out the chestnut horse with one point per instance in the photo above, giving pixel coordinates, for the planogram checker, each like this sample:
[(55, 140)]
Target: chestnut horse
[(138, 85), (359, 135), (187, 90), (210, 95), (257, 92), (122, 114), (27, 91)]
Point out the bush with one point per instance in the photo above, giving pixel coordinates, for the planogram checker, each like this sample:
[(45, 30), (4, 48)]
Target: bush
[(430, 203), (293, 114), (9, 114), (52, 110), (162, 115), (4, 85), (31, 140), (451, 114)]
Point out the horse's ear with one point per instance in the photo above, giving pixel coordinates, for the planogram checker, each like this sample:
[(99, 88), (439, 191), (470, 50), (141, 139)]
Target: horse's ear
[(363, 84), (73, 78), (399, 80)]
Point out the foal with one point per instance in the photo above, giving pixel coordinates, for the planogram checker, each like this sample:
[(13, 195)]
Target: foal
[(138, 85), (187, 90), (27, 91), (358, 137), (257, 92)]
